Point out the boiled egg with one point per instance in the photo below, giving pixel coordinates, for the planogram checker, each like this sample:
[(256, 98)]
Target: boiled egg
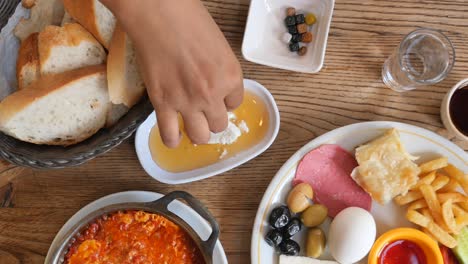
[(352, 234)]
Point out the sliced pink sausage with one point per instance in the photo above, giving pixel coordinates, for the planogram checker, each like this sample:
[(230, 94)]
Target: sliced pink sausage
[(328, 170)]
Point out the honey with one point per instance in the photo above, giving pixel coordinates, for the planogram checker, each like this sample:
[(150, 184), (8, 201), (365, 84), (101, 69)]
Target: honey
[(188, 156)]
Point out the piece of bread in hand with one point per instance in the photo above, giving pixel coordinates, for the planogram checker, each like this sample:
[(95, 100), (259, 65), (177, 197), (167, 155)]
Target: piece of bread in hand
[(27, 65), (126, 86), (60, 109), (94, 16), (43, 14), (67, 48), (67, 19)]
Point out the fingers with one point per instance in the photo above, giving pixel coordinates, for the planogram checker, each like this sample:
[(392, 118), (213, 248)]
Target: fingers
[(196, 127), (235, 98), (168, 127), (217, 118)]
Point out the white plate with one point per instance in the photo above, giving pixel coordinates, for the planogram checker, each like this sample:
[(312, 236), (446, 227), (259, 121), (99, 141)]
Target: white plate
[(265, 27), (183, 211), (417, 141), (144, 153)]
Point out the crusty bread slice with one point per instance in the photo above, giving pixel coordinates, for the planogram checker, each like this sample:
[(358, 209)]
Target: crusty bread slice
[(94, 16), (67, 19), (67, 48), (60, 109), (43, 13), (126, 87), (27, 65)]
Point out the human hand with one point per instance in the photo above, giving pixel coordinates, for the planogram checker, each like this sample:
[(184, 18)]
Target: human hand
[(186, 62)]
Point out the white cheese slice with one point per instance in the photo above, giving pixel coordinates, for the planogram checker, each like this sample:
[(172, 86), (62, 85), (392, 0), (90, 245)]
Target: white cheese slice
[(303, 260), (227, 137), (232, 132)]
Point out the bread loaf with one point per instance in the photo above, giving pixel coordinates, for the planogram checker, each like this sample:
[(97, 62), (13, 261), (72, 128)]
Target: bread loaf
[(27, 65), (61, 109), (126, 87), (43, 13), (94, 16), (67, 48)]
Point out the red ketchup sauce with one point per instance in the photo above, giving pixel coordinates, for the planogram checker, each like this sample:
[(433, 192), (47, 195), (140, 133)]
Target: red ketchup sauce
[(402, 252)]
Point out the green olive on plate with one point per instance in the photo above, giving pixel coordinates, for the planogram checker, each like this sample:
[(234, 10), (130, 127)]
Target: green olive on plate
[(316, 243), (315, 215), (299, 197)]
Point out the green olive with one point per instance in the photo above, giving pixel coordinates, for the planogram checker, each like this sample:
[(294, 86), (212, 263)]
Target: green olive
[(316, 243), (314, 215), (299, 197)]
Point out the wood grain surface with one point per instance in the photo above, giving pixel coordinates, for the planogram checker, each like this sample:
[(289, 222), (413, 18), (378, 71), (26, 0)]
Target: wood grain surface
[(35, 204)]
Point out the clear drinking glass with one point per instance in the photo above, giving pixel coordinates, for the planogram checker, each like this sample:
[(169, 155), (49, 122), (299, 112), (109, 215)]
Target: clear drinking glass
[(424, 57)]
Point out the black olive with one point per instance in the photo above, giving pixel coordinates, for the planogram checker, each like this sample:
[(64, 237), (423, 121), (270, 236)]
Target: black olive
[(290, 21), (280, 217), (300, 19), (296, 38), (292, 30), (274, 237), (289, 247), (293, 47), (292, 228)]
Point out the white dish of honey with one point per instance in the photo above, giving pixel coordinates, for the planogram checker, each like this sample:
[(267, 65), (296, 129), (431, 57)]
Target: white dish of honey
[(257, 119)]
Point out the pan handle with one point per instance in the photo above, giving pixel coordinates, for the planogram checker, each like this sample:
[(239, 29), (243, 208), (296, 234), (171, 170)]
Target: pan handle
[(196, 205)]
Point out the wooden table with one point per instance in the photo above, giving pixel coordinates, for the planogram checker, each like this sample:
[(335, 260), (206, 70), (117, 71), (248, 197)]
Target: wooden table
[(35, 204)]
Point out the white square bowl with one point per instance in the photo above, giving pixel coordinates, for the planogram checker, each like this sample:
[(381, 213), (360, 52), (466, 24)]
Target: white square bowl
[(265, 27)]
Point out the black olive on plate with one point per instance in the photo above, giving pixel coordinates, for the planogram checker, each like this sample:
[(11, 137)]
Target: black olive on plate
[(293, 47), (280, 217), (296, 38), (290, 21), (274, 237), (289, 247), (292, 30), (300, 19), (292, 228)]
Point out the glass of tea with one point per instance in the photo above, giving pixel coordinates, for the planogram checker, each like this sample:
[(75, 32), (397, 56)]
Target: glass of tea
[(454, 112), (424, 57)]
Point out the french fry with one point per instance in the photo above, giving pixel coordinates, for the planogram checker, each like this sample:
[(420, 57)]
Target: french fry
[(461, 221), (419, 204), (433, 165), (457, 174), (464, 205), (440, 182), (452, 186), (408, 198), (417, 218), (426, 179), (427, 214), (449, 218), (428, 233), (458, 211), (431, 199), (443, 237), (455, 196)]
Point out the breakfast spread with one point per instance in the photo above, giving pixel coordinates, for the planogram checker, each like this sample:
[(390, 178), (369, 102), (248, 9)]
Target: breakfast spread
[(328, 170), (248, 125), (133, 237), (457, 108), (298, 30), (75, 74), (386, 172)]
